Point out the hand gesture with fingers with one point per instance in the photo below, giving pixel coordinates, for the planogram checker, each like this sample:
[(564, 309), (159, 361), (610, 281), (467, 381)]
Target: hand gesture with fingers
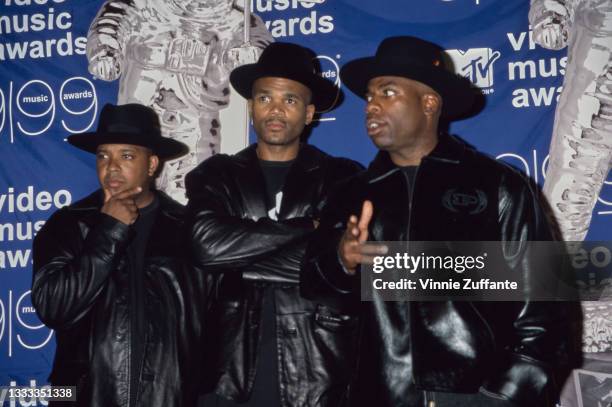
[(122, 205), (353, 248)]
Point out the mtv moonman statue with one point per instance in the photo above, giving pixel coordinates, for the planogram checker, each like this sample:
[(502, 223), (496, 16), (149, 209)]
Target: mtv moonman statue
[(580, 159), (175, 56)]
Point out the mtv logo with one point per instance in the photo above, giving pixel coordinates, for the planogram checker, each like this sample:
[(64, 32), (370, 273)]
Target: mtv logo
[(476, 64)]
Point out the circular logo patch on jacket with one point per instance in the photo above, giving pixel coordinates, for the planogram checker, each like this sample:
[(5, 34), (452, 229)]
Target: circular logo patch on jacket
[(471, 202)]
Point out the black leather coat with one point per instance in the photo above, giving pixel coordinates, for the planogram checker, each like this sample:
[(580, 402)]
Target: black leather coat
[(233, 239), (507, 350), (81, 290)]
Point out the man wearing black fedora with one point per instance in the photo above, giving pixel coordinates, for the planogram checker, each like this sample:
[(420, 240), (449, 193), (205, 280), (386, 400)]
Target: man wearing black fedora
[(110, 276), (424, 186), (250, 216)]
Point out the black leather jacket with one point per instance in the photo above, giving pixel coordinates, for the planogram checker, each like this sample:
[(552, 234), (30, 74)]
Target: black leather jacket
[(81, 290), (507, 350), (233, 239)]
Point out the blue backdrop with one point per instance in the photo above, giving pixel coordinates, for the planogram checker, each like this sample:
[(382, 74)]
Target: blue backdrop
[(46, 93)]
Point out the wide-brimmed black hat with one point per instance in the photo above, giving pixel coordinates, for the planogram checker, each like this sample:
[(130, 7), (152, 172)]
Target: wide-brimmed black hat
[(129, 124), (416, 59), (289, 61)]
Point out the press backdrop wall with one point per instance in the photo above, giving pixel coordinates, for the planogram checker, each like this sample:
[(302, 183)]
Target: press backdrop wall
[(46, 93)]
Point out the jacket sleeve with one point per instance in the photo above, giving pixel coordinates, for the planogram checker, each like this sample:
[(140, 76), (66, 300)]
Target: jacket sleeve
[(70, 272), (282, 266), (285, 265), (542, 331), (222, 241), (322, 276)]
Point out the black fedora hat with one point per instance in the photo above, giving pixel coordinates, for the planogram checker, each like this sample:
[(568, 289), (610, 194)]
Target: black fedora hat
[(288, 61), (129, 124), (416, 59)]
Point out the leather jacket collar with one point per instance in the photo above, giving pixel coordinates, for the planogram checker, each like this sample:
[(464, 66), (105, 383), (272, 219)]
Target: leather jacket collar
[(307, 158), (449, 149), (93, 202), (170, 215)]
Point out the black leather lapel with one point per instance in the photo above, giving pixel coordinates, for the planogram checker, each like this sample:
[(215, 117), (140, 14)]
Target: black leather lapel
[(298, 191), (251, 184)]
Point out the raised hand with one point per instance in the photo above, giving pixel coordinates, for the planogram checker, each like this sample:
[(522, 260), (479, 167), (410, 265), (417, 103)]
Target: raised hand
[(122, 205), (353, 249)]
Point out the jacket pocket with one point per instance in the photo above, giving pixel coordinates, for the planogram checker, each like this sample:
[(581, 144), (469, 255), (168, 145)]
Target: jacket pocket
[(333, 354), (333, 321)]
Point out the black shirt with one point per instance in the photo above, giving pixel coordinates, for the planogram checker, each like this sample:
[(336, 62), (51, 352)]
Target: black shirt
[(274, 173), (265, 389), (136, 254), (266, 392)]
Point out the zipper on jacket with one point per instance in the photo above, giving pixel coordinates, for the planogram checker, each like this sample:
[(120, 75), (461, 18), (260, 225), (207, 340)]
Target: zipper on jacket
[(410, 200)]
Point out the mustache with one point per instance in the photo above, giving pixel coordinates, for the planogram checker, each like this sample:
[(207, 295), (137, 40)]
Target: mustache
[(275, 119), (110, 178)]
